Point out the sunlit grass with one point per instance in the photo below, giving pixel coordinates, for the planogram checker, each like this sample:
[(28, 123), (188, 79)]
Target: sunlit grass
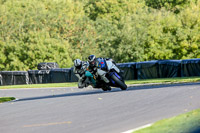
[(6, 99), (164, 80), (184, 123), (49, 85)]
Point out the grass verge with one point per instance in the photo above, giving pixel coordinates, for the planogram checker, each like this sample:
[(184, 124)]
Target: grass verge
[(74, 84), (165, 80), (184, 123), (50, 85), (6, 99)]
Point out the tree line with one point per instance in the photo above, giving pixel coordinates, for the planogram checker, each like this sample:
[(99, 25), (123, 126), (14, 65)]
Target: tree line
[(125, 30)]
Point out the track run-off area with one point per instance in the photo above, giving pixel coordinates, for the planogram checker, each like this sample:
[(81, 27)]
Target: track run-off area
[(88, 110)]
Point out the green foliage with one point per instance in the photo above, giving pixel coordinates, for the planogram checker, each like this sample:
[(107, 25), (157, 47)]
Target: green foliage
[(111, 10), (108, 38), (151, 34), (34, 32), (188, 35), (125, 30), (173, 5), (82, 36)]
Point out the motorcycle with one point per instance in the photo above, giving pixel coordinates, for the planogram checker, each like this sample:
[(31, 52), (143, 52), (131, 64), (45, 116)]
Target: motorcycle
[(113, 75)]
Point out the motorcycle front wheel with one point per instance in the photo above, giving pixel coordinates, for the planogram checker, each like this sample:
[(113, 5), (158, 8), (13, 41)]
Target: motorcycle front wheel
[(120, 83)]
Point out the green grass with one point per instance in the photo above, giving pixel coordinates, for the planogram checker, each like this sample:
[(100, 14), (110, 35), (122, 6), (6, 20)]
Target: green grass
[(184, 123), (6, 99), (40, 85), (74, 84), (165, 80)]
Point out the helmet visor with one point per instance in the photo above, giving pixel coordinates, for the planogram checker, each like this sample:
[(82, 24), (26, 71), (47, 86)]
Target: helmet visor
[(78, 67), (92, 62)]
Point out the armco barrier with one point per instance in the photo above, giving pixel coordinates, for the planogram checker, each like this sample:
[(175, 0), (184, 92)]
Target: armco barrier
[(39, 76), (73, 76), (60, 75), (14, 77), (147, 69), (158, 69), (190, 67), (169, 68), (132, 70), (129, 70)]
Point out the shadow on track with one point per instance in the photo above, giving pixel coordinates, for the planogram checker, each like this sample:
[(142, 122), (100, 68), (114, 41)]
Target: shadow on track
[(99, 91), (62, 95)]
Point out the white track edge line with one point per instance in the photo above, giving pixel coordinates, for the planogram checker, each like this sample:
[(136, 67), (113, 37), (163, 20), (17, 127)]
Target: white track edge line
[(133, 130)]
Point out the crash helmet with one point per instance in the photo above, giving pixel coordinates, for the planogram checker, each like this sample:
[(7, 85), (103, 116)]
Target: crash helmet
[(91, 59), (78, 63)]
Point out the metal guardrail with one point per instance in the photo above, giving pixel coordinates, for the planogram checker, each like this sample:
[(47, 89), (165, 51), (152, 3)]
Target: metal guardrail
[(132, 71)]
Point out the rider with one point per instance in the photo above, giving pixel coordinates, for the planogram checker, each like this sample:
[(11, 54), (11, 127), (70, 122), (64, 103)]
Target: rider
[(79, 70), (93, 67), (100, 66)]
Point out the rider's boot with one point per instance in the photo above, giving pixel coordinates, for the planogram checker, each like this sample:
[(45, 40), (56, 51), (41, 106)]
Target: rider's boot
[(108, 88)]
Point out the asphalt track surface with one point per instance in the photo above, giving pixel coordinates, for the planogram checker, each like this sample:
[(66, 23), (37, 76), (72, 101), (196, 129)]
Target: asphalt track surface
[(73, 110)]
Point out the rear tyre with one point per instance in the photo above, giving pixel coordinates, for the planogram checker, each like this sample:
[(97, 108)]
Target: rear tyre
[(120, 83)]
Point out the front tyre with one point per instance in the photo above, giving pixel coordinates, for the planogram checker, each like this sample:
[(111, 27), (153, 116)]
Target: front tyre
[(120, 83)]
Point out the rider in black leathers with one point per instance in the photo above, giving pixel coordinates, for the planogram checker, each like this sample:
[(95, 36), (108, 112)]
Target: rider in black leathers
[(100, 67), (79, 70)]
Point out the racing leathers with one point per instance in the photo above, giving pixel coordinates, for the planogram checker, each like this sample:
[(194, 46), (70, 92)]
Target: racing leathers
[(80, 73), (101, 66)]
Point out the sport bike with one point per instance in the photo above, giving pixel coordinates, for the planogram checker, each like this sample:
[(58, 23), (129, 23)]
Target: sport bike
[(114, 75)]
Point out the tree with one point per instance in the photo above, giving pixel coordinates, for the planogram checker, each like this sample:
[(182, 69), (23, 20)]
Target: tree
[(173, 5)]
